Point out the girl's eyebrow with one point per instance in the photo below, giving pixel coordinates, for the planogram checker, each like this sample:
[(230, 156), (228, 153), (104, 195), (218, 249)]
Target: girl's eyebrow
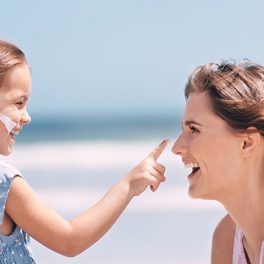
[(23, 97)]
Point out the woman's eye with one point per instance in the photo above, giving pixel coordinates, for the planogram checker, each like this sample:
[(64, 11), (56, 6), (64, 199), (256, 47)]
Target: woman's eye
[(194, 129)]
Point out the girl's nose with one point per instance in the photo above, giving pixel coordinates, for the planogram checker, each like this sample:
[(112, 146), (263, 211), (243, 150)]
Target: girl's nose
[(26, 119), (179, 147)]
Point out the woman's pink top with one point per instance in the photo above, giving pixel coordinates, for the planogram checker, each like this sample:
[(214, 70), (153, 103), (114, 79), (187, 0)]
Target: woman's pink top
[(239, 255)]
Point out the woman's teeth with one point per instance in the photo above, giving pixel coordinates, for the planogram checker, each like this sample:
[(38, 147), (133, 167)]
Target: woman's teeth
[(191, 165), (194, 166)]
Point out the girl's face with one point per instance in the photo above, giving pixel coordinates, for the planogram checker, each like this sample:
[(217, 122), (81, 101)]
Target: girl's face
[(15, 90), (208, 146)]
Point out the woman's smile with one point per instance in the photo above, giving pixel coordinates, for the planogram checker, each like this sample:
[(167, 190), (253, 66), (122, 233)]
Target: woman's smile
[(194, 167), (208, 147)]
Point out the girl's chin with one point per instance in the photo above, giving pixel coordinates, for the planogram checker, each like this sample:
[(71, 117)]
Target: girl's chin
[(6, 152)]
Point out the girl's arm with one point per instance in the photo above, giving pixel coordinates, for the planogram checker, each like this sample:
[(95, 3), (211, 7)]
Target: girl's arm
[(72, 237)]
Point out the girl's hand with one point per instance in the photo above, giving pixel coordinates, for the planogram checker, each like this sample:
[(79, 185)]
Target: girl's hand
[(148, 172)]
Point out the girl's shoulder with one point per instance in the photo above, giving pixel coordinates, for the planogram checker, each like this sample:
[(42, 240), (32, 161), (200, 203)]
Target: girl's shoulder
[(7, 171)]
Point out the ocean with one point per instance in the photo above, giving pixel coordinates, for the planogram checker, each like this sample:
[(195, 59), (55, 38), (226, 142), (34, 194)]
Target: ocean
[(72, 163)]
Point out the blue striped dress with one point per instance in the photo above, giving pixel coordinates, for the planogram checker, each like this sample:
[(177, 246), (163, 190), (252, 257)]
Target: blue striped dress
[(14, 248)]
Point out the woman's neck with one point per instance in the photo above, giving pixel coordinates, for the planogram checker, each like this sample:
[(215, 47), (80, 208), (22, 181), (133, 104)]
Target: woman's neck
[(245, 205)]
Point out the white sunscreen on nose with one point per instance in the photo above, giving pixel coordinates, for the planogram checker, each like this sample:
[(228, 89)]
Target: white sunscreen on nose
[(8, 122)]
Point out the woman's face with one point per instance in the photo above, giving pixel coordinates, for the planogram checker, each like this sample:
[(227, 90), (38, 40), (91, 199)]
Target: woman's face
[(207, 145), (15, 90)]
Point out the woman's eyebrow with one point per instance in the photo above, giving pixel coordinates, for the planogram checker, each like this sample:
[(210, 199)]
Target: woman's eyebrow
[(191, 122)]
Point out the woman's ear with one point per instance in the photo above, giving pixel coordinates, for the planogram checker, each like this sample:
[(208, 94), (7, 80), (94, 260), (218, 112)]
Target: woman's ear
[(250, 141)]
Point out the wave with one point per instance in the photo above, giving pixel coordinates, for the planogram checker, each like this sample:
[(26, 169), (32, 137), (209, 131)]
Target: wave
[(163, 200), (110, 154), (99, 128)]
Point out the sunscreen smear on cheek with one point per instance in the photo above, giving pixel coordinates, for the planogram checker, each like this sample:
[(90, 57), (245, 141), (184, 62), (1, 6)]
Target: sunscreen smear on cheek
[(8, 122)]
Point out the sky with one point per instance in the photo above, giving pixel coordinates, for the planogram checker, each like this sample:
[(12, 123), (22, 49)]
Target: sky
[(125, 58)]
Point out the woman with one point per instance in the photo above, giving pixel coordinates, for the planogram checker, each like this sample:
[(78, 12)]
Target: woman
[(223, 142)]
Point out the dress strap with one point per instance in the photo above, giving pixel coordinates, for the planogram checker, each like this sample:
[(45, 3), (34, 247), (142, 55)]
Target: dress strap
[(261, 258), (239, 256)]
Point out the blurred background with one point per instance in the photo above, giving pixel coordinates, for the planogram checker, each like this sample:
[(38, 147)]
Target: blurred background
[(108, 80)]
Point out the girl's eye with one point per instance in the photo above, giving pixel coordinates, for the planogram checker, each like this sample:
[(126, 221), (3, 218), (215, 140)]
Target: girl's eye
[(19, 104), (194, 129)]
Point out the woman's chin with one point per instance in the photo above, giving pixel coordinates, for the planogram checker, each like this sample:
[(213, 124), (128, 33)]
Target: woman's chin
[(195, 194), (199, 193), (193, 191)]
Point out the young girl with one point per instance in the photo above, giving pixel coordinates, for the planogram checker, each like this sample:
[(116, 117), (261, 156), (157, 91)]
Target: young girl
[(22, 213)]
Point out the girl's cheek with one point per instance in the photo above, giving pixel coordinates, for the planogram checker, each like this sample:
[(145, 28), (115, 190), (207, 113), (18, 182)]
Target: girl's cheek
[(8, 122)]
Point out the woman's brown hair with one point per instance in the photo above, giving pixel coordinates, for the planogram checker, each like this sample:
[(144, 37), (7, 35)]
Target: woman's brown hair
[(236, 92)]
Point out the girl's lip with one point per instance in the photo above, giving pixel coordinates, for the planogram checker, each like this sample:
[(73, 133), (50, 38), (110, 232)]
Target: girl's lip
[(14, 133), (12, 137)]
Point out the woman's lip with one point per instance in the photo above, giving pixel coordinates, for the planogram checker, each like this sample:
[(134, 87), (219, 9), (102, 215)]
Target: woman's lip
[(191, 175)]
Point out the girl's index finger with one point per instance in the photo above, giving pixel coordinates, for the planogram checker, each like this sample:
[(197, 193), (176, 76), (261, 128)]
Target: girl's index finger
[(159, 149)]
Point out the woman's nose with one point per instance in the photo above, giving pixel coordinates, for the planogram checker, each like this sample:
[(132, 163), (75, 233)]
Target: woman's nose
[(179, 147)]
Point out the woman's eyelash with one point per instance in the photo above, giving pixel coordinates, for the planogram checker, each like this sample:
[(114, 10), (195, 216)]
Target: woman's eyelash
[(194, 129)]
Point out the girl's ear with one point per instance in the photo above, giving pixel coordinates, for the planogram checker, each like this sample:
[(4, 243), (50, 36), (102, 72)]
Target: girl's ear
[(250, 141)]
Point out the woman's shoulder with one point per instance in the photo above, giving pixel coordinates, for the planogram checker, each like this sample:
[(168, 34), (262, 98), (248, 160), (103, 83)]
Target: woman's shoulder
[(225, 228), (223, 241)]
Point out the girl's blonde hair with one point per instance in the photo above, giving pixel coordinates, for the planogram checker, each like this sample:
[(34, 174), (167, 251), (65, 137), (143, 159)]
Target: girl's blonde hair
[(10, 56)]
